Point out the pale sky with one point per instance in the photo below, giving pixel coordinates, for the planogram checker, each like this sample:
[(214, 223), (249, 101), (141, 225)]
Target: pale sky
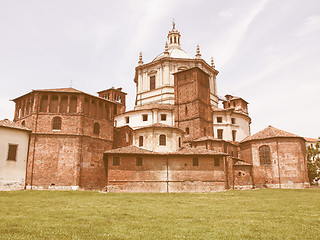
[(267, 51)]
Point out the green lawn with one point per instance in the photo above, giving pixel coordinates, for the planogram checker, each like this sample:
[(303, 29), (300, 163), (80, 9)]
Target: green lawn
[(255, 214)]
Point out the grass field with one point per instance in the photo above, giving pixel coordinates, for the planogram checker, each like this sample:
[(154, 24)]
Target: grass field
[(255, 214)]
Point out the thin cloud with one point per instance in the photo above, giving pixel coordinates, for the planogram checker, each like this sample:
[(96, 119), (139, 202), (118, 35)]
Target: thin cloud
[(311, 25), (231, 41)]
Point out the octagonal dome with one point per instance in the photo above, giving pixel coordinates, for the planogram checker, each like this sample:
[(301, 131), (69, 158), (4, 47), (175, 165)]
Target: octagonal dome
[(174, 53)]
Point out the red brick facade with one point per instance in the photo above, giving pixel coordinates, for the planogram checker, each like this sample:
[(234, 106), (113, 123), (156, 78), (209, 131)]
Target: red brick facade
[(70, 156), (192, 111), (287, 167), (165, 173), (73, 134)]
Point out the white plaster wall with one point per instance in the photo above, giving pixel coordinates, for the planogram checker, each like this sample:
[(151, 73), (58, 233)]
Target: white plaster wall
[(12, 173), (151, 139), (164, 77), (243, 129), (136, 120), (241, 125)]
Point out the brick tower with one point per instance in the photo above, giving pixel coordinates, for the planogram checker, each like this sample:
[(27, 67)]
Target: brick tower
[(70, 131), (193, 112)]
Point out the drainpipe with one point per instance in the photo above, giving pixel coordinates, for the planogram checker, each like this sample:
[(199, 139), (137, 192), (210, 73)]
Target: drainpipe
[(278, 163), (226, 170), (25, 178), (167, 174)]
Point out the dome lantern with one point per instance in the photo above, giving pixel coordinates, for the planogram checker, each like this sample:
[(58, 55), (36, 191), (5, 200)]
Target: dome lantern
[(174, 37)]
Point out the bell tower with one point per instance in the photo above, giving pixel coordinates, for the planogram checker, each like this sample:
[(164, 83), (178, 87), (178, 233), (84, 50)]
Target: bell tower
[(192, 108)]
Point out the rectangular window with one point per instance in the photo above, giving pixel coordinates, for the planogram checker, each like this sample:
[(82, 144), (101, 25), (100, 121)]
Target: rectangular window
[(220, 133), (127, 120), (219, 119), (163, 117), (115, 110), (216, 161), (233, 121), (116, 161), (144, 117), (234, 135), (12, 152), (139, 161), (195, 162), (162, 140), (152, 82)]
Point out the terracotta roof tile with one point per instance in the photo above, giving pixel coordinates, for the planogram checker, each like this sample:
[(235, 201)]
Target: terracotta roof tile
[(155, 105), (9, 124), (159, 125), (197, 151), (311, 139), (130, 150), (67, 90), (206, 138), (269, 132), (63, 90), (241, 163), (183, 151)]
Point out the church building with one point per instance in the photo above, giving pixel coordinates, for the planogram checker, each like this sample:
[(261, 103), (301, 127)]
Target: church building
[(176, 139)]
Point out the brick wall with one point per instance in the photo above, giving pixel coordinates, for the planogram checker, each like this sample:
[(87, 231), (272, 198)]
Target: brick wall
[(122, 137), (53, 161), (287, 167), (72, 156), (192, 103), (165, 174)]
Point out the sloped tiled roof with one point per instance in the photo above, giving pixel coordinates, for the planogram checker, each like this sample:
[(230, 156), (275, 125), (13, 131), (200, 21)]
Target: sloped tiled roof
[(270, 132), (130, 150), (159, 125), (206, 138), (66, 90), (63, 90), (155, 106), (9, 124), (197, 151), (233, 98), (183, 151), (241, 163), (311, 139)]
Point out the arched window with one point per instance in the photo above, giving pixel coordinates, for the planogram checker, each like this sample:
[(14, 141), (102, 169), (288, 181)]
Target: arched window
[(140, 141), (96, 128), (23, 123), (264, 153), (179, 142), (56, 123), (187, 131), (162, 140)]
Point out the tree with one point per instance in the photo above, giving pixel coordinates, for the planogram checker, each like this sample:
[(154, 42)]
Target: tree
[(313, 161)]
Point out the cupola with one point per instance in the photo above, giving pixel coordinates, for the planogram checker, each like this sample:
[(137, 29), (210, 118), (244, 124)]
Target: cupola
[(174, 37)]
